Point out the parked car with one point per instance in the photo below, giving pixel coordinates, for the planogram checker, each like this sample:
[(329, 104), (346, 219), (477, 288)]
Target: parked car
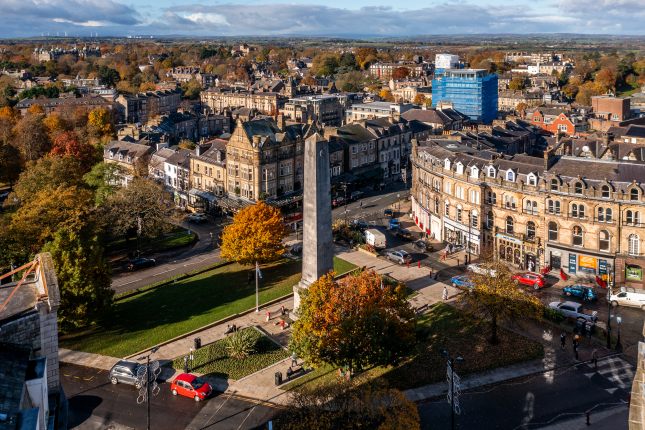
[(355, 195), (462, 281), (626, 298), (573, 310), (480, 269), (125, 372), (580, 291), (423, 246), (197, 218), (296, 249), (394, 224), (337, 201), (361, 225), (189, 385), (404, 234), (388, 213), (400, 256), (141, 263), (531, 279)]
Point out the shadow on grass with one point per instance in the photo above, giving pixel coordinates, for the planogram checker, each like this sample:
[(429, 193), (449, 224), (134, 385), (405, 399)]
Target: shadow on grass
[(163, 313)]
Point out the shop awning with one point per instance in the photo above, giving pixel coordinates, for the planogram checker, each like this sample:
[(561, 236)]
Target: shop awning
[(202, 194)]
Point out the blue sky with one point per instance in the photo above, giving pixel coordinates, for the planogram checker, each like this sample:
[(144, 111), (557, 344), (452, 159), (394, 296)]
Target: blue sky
[(332, 17)]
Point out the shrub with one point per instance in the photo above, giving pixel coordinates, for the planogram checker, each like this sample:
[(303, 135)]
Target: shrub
[(241, 344)]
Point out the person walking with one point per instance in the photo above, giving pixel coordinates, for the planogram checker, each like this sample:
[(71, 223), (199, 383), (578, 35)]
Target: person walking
[(575, 346), (294, 360), (444, 296), (563, 340)]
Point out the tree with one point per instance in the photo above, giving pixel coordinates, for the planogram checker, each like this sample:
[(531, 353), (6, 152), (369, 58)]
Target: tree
[(606, 79), (325, 64), (54, 123), (348, 61), (386, 95), (31, 137), (83, 276), (354, 322), (351, 81), (99, 122), (517, 83), (365, 56), (143, 207), (347, 405), (9, 163), (191, 89), (521, 108), (47, 174), (255, 236), (498, 298), (67, 144), (419, 99), (108, 76), (400, 73), (187, 144), (104, 180)]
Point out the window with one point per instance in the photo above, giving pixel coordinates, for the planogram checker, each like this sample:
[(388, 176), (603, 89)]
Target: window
[(474, 196), (633, 244), (436, 184), (447, 188), (509, 225), (606, 193), (633, 194), (474, 219), (553, 207), (491, 172), (555, 185), (531, 179), (446, 164), (474, 172), (491, 198), (608, 215), (577, 188), (490, 220), (553, 232), (436, 205), (603, 240), (601, 215), (632, 217), (459, 192), (460, 168), (530, 230), (530, 207), (446, 209), (577, 211), (577, 236), (459, 212), (509, 202), (510, 176)]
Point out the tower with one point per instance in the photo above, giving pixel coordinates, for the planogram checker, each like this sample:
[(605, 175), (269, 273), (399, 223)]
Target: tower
[(317, 245)]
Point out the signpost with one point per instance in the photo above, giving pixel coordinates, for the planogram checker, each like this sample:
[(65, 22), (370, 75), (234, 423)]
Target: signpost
[(454, 387)]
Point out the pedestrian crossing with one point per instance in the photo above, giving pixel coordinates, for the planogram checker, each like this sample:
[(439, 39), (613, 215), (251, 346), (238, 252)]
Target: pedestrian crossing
[(615, 370)]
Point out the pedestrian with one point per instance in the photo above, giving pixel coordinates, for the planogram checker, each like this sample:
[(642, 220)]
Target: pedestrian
[(283, 324), (294, 360), (430, 272), (457, 261), (444, 296), (575, 346), (594, 359), (563, 340), (268, 316), (282, 310), (436, 275)]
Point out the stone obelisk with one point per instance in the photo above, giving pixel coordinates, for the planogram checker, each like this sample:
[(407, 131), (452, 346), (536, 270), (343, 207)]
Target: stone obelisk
[(317, 244)]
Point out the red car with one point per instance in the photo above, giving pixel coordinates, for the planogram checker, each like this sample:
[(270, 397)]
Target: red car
[(534, 280), (190, 386)]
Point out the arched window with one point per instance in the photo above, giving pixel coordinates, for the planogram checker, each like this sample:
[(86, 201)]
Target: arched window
[(553, 207), (510, 176), (577, 188), (601, 215), (491, 198), (491, 172), (474, 219), (634, 244), (474, 172), (577, 236), (633, 194), (555, 185), (460, 168), (574, 210), (459, 211), (490, 220), (531, 179), (553, 232), (581, 211), (446, 164), (446, 209), (606, 192), (530, 230), (603, 240), (609, 215), (632, 217), (509, 225)]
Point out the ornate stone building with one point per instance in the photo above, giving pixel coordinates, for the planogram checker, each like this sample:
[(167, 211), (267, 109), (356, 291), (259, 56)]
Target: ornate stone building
[(582, 215)]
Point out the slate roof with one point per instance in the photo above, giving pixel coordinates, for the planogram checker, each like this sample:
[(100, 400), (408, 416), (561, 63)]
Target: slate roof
[(635, 131), (180, 158), (14, 362)]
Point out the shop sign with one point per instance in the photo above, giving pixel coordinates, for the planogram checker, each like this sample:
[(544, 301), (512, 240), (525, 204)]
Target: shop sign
[(587, 264), (572, 263), (508, 238), (633, 273), (602, 269)]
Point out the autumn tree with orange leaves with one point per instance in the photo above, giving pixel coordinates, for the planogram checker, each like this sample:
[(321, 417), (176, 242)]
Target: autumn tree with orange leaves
[(255, 236), (354, 322)]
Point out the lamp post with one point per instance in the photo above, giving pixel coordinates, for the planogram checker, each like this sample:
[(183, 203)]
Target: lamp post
[(147, 381), (609, 309), (619, 346), (398, 198), (451, 377)]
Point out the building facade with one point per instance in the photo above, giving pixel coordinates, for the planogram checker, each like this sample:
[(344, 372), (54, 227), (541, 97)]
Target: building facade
[(141, 107), (219, 99), (472, 92), (326, 109)]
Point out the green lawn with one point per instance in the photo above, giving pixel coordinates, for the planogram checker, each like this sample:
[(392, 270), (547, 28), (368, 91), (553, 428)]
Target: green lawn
[(175, 238), (168, 311), (627, 90), (443, 327), (213, 359), (342, 266)]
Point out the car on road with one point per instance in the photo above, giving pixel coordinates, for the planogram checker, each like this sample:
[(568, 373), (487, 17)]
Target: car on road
[(337, 201), (580, 291), (125, 372), (197, 218), (189, 385), (296, 249), (480, 269), (355, 195), (394, 224), (573, 310), (141, 263), (361, 225), (404, 233), (626, 298), (461, 281), (400, 256), (389, 213), (423, 246), (531, 279)]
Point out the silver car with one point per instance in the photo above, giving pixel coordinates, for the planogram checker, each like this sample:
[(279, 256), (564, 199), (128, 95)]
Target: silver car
[(400, 256), (125, 372)]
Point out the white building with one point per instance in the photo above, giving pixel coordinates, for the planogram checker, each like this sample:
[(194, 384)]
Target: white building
[(446, 61), (376, 110)]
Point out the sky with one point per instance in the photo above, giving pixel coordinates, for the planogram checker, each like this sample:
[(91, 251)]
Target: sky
[(24, 18)]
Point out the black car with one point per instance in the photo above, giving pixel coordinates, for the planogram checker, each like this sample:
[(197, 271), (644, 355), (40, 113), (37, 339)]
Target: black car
[(423, 246), (361, 225), (388, 213), (125, 372), (404, 234), (141, 263)]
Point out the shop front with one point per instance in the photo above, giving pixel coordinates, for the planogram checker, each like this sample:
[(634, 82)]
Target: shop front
[(521, 253), (461, 235), (579, 263), (629, 272), (428, 223)]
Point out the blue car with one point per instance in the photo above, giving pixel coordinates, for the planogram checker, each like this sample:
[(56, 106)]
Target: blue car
[(394, 224), (461, 281), (580, 291)]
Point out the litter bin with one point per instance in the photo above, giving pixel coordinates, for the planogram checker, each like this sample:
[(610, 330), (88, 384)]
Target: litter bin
[(581, 325), (278, 378), (198, 343)]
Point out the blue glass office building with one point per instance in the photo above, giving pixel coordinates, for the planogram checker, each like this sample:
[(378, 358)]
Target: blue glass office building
[(472, 92)]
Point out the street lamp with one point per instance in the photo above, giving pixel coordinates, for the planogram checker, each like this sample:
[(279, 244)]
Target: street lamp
[(398, 198), (609, 307), (147, 381), (451, 380)]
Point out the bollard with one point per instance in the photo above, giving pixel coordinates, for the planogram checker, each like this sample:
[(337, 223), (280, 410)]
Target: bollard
[(419, 265), (588, 418)]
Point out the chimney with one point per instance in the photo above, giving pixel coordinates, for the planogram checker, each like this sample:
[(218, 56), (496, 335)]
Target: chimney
[(280, 122), (198, 150), (256, 140)]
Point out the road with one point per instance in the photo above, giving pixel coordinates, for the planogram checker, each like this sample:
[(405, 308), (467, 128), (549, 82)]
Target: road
[(94, 403), (547, 400)]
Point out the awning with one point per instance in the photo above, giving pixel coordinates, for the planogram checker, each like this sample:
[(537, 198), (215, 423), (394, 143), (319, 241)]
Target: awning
[(202, 194), (233, 204)]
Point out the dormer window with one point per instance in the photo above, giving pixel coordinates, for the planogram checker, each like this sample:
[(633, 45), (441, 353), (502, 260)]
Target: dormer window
[(634, 194), (606, 192), (460, 168), (531, 179), (577, 188), (446, 164), (510, 176), (491, 172), (555, 184), (474, 172)]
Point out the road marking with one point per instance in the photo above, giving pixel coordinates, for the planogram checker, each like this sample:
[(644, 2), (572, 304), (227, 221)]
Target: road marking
[(246, 417), (217, 411), (376, 199)]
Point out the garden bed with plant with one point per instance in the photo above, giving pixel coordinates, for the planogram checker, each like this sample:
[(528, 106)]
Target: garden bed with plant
[(236, 356)]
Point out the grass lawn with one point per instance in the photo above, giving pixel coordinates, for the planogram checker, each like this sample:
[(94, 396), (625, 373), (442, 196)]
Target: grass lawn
[(175, 238), (165, 312), (213, 359), (627, 90), (342, 266), (444, 327)]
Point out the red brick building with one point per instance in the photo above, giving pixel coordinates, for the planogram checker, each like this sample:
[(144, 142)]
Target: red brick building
[(556, 121)]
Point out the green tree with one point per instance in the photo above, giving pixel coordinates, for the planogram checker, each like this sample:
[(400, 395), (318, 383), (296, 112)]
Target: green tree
[(108, 76), (325, 64), (47, 174), (517, 83), (83, 276), (191, 89), (354, 322), (497, 298), (104, 180)]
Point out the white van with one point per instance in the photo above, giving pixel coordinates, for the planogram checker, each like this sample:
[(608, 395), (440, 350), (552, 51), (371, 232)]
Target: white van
[(626, 298), (375, 238)]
